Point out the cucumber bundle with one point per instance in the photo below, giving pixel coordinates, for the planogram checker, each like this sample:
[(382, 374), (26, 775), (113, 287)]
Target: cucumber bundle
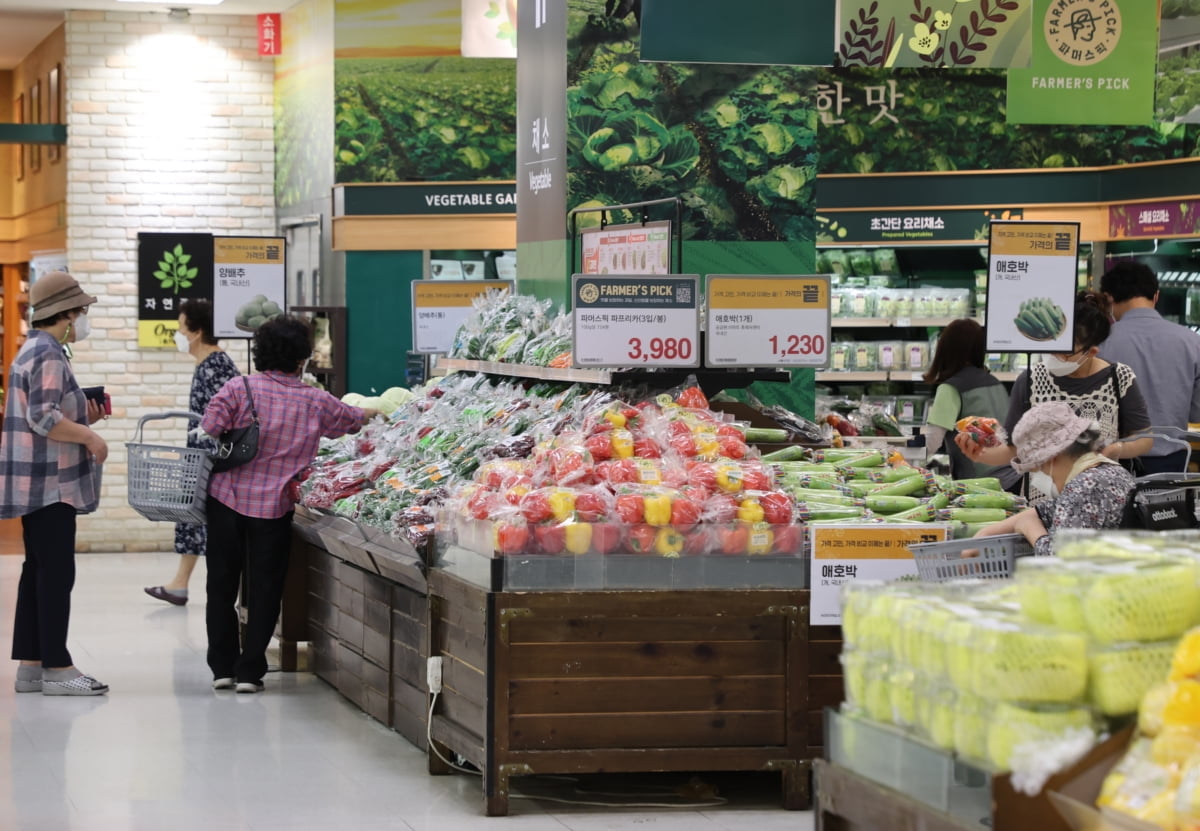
[(1039, 318)]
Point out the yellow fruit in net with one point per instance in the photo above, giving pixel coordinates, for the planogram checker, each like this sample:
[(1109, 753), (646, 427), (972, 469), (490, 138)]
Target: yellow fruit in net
[(1186, 663), (1150, 711), (1183, 705), (1174, 745)]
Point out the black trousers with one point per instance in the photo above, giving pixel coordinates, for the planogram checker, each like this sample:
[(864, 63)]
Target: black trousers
[(260, 549), (44, 590)]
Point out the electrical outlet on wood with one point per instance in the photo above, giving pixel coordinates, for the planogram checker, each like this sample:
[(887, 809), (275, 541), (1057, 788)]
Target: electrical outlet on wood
[(433, 674)]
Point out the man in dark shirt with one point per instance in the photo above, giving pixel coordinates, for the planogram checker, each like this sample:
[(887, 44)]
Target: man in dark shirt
[(1164, 356)]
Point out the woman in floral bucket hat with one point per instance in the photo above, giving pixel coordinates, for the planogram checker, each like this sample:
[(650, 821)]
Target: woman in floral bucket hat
[(1061, 453)]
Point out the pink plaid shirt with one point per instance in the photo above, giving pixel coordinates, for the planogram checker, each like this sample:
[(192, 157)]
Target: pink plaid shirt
[(292, 419)]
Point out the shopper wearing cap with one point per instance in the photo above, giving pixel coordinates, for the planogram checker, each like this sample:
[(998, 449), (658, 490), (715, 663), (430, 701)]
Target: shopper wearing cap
[(1097, 390), (50, 462), (1165, 356), (1061, 453), (250, 507)]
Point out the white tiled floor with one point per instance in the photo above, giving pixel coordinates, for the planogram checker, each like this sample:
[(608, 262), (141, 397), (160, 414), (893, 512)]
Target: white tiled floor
[(163, 751)]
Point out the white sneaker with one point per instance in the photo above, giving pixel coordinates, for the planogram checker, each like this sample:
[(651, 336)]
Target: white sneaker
[(223, 683), (24, 685), (79, 685), (249, 687)]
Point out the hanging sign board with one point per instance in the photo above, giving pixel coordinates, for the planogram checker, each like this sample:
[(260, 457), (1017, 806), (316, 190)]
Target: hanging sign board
[(779, 321), (1032, 270), (172, 268), (845, 553), (440, 307), (249, 285), (627, 320), (627, 249)]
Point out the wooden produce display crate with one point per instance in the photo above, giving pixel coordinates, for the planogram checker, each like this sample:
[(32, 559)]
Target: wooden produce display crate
[(366, 619), (576, 682)]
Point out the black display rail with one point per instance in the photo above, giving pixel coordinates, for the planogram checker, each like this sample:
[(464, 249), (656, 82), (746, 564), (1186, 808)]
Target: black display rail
[(710, 381)]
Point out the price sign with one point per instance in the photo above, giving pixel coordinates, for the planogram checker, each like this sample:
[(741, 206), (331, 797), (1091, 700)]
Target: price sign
[(845, 553), (1032, 272), (779, 321), (249, 283), (625, 321), (440, 307)]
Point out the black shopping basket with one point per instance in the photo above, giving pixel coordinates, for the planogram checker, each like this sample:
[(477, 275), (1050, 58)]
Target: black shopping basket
[(167, 483), (1163, 502)]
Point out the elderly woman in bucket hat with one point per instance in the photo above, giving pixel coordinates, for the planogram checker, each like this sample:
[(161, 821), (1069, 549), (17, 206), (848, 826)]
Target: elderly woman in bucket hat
[(49, 472), (1061, 453)]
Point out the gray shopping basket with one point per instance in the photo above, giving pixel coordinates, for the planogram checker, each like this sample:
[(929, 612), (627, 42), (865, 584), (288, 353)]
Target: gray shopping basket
[(976, 557), (167, 483)]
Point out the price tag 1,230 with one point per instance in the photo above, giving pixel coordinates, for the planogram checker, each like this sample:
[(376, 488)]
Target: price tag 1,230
[(636, 320), (768, 320)]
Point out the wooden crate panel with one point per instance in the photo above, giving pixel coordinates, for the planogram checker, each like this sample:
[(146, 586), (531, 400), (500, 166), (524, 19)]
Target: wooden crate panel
[(409, 631), (377, 705), (825, 691), (321, 614), (595, 630), (462, 711), (825, 657), (468, 647), (596, 695), (378, 589), (646, 659), (649, 730), (350, 576), (465, 680), (408, 664), (350, 630), (408, 602), (410, 725), (377, 647), (376, 677), (377, 615), (409, 698)]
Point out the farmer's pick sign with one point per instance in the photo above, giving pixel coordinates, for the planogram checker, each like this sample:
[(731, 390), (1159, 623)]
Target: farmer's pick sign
[(1093, 63)]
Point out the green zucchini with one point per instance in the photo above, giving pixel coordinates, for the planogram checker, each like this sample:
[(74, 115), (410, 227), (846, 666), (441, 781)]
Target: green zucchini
[(785, 454), (973, 515), (990, 483), (919, 513), (990, 499), (766, 435), (908, 486), (884, 504), (810, 511)]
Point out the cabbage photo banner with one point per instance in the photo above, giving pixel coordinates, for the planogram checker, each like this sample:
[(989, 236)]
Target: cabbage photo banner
[(935, 33), (1093, 63)]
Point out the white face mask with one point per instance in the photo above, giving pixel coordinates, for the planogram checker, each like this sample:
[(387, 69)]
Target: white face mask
[(1059, 368), (182, 343), (1044, 483), (304, 367), (82, 327)]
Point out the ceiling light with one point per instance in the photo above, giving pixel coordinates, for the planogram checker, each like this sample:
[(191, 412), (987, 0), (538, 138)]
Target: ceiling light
[(190, 2)]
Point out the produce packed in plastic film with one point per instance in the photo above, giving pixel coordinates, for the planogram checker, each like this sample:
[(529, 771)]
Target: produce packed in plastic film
[(514, 328)]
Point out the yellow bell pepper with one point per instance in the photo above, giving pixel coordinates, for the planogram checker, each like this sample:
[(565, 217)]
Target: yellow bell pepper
[(1186, 663), (579, 537), (562, 504), (729, 478), (658, 509), (750, 511), (707, 446), (615, 418), (622, 444), (668, 542), (761, 539), (1183, 705)]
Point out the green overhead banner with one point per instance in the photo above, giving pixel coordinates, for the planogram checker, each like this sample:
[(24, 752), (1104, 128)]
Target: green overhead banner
[(979, 34), (1093, 63), (759, 32)]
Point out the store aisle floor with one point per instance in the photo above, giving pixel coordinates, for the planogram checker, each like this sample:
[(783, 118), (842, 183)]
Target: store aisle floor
[(162, 750)]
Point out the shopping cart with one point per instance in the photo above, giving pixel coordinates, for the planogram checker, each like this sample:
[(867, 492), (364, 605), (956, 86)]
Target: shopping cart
[(986, 557), (167, 483)]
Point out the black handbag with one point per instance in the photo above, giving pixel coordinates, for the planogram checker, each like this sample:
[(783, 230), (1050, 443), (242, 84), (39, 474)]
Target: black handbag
[(239, 445)]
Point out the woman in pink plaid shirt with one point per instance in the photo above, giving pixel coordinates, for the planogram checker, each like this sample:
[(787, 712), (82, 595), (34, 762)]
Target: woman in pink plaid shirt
[(249, 510)]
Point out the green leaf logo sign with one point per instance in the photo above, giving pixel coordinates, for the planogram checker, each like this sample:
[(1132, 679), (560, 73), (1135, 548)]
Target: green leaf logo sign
[(173, 271)]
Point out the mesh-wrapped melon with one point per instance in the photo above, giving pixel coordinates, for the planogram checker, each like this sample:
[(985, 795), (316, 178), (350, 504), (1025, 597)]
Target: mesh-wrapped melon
[(1121, 675), (1011, 725)]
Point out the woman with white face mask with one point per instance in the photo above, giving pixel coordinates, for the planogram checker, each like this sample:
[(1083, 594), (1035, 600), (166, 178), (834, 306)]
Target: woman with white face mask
[(50, 467), (213, 368), (1094, 388), (1085, 489)]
